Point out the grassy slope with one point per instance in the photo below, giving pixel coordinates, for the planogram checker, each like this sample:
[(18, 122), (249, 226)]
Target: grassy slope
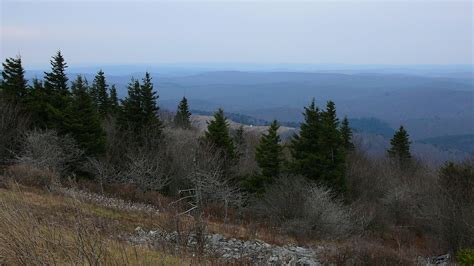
[(28, 216), (42, 227)]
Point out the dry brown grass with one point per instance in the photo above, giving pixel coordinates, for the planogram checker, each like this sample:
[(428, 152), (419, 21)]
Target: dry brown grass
[(44, 229), (363, 252), (29, 175)]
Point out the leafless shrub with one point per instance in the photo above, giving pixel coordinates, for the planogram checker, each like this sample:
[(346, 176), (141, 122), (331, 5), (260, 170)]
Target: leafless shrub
[(47, 150), (246, 164), (306, 209), (361, 252), (390, 192), (104, 172), (180, 146), (283, 200), (447, 207), (13, 122), (141, 161), (419, 198), (208, 182), (325, 215), (363, 173), (29, 175), (146, 169)]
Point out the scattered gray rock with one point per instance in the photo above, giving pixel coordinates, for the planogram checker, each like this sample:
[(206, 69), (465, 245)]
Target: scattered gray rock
[(231, 249), (440, 260), (108, 202)]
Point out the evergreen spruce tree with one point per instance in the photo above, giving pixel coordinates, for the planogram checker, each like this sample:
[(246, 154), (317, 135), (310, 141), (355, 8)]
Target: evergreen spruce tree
[(306, 147), (182, 117), (346, 133), (99, 94), (269, 153), (318, 152), (330, 137), (400, 147), (113, 100), (83, 121), (13, 86), (217, 134), (148, 98), (131, 117), (332, 150), (56, 92), (38, 104), (239, 136), (55, 82)]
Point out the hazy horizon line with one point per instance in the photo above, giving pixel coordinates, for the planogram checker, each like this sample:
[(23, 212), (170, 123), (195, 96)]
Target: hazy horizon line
[(255, 64)]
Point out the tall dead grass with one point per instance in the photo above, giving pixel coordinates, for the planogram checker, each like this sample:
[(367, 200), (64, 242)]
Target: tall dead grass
[(28, 239)]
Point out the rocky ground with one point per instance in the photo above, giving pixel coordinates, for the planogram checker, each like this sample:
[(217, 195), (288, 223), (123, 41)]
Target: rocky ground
[(108, 202), (255, 252)]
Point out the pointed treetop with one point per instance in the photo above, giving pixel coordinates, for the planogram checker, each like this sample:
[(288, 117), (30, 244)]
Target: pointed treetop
[(13, 84), (82, 119), (217, 134), (269, 157), (346, 134), (182, 117), (56, 80), (400, 147), (149, 99), (113, 100), (99, 93)]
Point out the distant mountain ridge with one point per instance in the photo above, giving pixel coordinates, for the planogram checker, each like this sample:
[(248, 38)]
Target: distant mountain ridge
[(433, 105)]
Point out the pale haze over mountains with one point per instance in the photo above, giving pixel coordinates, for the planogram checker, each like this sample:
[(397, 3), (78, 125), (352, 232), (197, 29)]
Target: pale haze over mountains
[(387, 63), (435, 103)]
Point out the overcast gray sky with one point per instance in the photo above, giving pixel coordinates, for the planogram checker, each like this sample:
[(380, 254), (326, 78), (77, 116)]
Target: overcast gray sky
[(156, 32)]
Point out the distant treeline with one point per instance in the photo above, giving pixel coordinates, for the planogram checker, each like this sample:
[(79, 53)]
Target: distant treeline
[(369, 125)]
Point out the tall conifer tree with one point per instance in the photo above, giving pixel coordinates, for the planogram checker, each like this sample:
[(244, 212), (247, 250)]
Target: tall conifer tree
[(13, 85), (82, 119), (317, 152), (269, 153), (182, 117), (332, 150), (346, 133), (114, 102), (400, 147), (38, 104), (139, 110), (131, 116), (99, 93), (57, 92), (55, 82), (306, 147), (148, 98), (217, 134), (239, 137)]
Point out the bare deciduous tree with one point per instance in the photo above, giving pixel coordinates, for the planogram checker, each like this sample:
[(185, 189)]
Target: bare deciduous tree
[(208, 184), (103, 171), (303, 208), (146, 169), (47, 150)]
